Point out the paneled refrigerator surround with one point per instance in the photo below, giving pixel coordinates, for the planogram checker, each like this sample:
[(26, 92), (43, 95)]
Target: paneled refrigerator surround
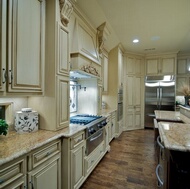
[(159, 95)]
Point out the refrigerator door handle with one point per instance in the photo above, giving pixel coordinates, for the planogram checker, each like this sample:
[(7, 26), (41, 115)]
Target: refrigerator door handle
[(160, 97), (157, 95)]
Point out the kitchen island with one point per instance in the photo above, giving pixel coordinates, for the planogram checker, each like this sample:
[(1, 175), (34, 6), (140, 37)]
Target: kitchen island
[(173, 169)]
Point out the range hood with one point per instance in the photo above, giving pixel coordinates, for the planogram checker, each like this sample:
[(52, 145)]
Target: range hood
[(85, 52), (79, 74)]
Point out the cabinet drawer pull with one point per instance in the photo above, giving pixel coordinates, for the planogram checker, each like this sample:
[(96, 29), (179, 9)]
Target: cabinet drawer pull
[(31, 184), (80, 139), (1, 181), (160, 182), (92, 161), (5, 76), (159, 143), (48, 153)]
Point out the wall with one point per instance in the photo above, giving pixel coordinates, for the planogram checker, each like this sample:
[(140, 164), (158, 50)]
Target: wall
[(13, 105)]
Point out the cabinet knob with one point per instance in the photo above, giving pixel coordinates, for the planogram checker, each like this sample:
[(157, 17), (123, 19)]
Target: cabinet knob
[(1, 181)]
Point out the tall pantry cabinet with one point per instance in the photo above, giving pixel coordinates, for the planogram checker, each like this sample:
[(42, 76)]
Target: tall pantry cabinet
[(115, 82), (53, 107), (133, 92)]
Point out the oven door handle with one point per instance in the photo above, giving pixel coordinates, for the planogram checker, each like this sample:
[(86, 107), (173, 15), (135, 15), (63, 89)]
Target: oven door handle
[(94, 138)]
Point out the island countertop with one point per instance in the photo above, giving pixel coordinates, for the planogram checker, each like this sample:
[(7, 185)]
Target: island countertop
[(175, 116), (175, 136)]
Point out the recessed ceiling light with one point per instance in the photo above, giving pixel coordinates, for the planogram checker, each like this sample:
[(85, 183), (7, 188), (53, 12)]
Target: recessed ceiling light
[(135, 41)]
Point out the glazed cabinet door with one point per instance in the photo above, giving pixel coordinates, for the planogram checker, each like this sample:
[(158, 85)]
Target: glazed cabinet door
[(26, 41), (63, 52), (152, 66), (46, 175), (77, 166), (133, 107), (63, 90), (167, 66), (3, 32)]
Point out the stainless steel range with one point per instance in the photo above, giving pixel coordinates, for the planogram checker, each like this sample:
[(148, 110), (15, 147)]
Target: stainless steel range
[(94, 129)]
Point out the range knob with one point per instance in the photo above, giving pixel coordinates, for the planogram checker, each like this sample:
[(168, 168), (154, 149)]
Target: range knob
[(100, 125), (92, 131)]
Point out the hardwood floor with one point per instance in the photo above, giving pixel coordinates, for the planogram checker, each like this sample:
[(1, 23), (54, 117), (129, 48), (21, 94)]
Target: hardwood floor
[(130, 164)]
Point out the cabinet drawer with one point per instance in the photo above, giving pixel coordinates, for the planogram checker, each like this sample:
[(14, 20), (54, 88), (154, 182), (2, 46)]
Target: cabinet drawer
[(93, 158), (77, 139), (12, 171), (44, 153)]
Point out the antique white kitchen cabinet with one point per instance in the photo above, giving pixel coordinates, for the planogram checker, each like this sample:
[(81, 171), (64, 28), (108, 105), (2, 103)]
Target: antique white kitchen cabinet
[(13, 174), (73, 173), (22, 43), (133, 92), (30, 170), (3, 21), (183, 70), (161, 64), (53, 107), (45, 165), (115, 80)]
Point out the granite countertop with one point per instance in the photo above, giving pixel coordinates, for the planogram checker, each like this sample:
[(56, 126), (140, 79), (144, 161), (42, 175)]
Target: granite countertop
[(175, 136), (171, 116), (15, 145)]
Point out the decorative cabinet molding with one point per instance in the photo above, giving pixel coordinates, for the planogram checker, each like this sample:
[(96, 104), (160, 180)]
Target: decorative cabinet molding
[(66, 10), (103, 33)]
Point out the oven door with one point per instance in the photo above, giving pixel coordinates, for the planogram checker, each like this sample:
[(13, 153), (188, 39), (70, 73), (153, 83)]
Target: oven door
[(94, 140)]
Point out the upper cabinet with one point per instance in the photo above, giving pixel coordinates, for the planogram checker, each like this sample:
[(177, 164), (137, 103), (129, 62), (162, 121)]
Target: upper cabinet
[(22, 71), (3, 31), (161, 64), (183, 70)]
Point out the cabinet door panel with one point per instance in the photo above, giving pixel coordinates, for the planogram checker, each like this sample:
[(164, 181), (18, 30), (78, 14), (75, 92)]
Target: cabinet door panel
[(49, 172), (152, 66), (63, 88), (25, 45), (168, 66), (182, 66), (77, 166), (63, 66)]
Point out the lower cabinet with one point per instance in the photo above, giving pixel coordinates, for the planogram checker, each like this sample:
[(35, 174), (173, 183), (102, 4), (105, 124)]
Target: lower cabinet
[(13, 174), (40, 168), (73, 152), (46, 175), (111, 123)]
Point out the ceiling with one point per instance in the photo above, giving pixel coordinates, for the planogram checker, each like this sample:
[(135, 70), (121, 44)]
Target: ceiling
[(162, 26)]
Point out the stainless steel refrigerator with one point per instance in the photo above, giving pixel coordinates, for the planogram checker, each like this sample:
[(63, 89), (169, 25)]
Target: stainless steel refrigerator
[(159, 95)]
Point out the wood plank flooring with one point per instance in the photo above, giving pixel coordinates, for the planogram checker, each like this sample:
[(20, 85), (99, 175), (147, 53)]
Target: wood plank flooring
[(130, 164)]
